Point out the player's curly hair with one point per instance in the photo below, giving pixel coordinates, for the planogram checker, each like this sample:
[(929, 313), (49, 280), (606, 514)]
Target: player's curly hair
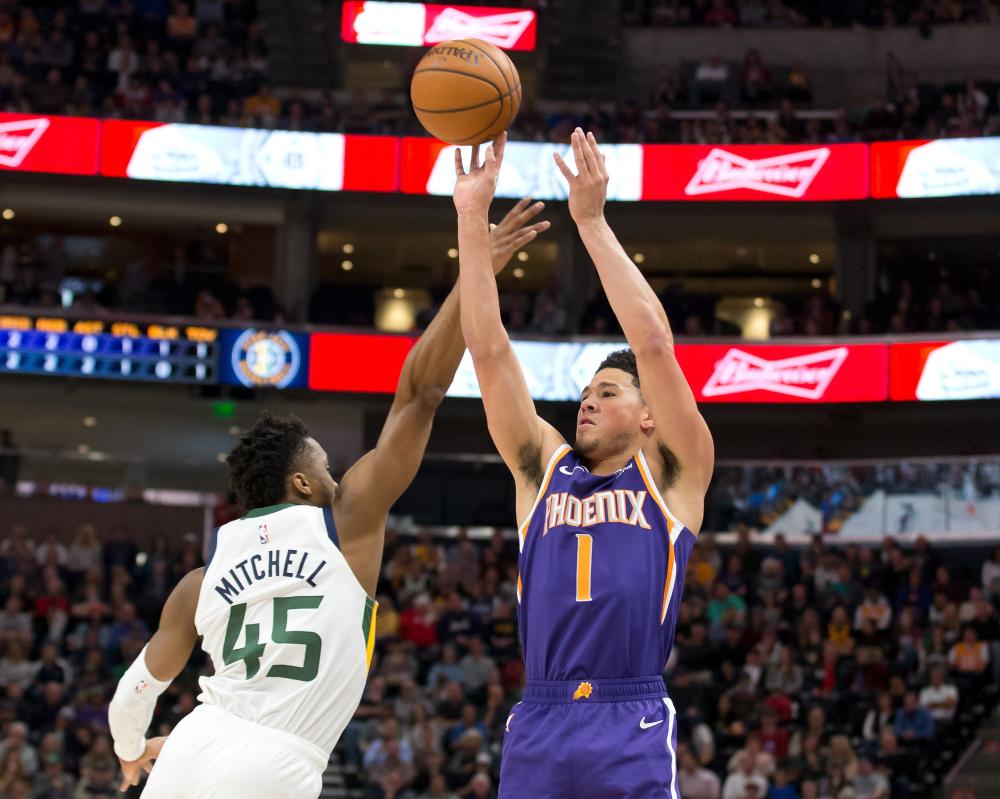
[(259, 464), (624, 360)]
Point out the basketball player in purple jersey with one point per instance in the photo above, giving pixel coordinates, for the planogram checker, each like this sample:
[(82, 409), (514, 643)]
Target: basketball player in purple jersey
[(606, 526)]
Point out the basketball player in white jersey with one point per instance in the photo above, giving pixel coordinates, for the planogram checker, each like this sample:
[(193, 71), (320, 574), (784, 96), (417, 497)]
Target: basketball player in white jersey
[(284, 605)]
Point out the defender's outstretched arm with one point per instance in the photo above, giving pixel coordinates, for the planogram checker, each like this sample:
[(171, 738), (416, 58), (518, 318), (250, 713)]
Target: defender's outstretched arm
[(372, 485)]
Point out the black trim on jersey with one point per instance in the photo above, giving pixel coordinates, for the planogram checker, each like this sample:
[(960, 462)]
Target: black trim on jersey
[(212, 544), (331, 526)]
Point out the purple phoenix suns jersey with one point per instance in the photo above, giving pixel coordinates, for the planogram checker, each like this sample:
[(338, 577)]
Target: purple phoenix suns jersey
[(601, 574)]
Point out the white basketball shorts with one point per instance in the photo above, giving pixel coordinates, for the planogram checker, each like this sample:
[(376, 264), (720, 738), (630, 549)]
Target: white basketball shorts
[(212, 754)]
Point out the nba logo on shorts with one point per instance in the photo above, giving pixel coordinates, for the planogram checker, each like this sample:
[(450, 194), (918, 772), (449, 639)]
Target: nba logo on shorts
[(265, 536), (141, 686)]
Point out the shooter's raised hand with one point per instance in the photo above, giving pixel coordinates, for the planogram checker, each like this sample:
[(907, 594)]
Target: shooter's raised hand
[(588, 189), (474, 188)]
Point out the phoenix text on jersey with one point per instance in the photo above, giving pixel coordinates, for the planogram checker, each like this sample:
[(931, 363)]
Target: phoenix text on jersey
[(620, 506)]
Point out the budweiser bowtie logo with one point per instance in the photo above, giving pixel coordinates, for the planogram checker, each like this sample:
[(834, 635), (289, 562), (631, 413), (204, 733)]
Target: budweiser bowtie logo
[(503, 30), (17, 139), (806, 376), (789, 175)]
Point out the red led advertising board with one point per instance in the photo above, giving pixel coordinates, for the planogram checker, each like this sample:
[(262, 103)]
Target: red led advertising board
[(39, 143), (356, 363), (966, 369), (118, 142), (250, 157), (428, 167), (935, 168), (346, 162), (771, 373), (419, 157), (755, 172), (786, 373), (424, 24)]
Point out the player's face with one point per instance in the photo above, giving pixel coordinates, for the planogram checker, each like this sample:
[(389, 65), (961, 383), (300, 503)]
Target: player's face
[(315, 466), (610, 415)]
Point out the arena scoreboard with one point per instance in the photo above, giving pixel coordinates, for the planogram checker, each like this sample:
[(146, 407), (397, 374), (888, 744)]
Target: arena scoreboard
[(174, 351), (156, 353)]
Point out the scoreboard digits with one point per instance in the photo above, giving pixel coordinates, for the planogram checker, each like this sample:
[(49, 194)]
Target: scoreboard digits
[(117, 350)]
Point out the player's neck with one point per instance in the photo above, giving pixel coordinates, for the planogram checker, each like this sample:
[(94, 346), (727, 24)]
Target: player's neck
[(608, 465), (291, 498)]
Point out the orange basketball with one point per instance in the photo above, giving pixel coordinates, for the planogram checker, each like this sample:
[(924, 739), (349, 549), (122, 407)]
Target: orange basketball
[(465, 91)]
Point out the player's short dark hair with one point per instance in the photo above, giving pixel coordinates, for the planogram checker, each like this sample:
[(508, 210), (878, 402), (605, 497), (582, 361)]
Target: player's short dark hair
[(260, 463), (624, 360)]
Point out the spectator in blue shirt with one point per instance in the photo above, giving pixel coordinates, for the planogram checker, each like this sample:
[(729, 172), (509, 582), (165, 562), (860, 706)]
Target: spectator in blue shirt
[(782, 788), (446, 669), (914, 724)]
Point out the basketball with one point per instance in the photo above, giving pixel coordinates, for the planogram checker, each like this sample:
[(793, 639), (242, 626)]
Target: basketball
[(465, 91)]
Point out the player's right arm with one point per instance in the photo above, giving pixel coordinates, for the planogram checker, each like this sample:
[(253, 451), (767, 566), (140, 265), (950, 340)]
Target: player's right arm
[(523, 439), (160, 661)]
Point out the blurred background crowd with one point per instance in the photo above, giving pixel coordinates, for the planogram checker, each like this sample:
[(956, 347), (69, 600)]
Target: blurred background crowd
[(207, 63), (820, 672), (941, 298), (825, 670)]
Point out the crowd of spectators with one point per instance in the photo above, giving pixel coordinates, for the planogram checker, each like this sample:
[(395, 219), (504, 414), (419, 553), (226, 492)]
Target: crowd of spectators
[(206, 63), (36, 272), (718, 100), (148, 59), (943, 301), (194, 281), (757, 495), (948, 303), (808, 13), (817, 673), (809, 673), (76, 610)]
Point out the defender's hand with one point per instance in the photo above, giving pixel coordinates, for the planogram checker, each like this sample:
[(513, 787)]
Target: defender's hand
[(589, 188), (131, 769), (474, 188), (514, 232)]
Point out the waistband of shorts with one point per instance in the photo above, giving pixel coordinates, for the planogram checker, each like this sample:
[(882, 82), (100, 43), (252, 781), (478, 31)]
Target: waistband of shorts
[(567, 692), (316, 756)]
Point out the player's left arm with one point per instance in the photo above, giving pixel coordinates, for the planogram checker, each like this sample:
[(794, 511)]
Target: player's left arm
[(371, 486), (643, 321), (160, 661)]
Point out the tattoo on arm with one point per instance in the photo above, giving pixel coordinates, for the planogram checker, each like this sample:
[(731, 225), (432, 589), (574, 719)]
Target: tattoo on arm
[(529, 462)]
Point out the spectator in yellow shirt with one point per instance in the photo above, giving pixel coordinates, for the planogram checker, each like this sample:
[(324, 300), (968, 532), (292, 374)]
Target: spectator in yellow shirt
[(970, 656), (838, 631), (263, 105)]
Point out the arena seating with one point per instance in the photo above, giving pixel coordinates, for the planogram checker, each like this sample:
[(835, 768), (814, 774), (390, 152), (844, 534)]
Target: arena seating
[(814, 665)]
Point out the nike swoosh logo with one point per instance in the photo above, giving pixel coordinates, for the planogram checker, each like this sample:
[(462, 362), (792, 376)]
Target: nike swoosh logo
[(568, 473), (644, 726)]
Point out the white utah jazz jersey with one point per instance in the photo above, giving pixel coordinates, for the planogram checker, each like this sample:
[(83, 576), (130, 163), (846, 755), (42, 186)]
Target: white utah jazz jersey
[(288, 626)]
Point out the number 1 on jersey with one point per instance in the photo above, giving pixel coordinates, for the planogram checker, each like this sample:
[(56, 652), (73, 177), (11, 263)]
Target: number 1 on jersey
[(584, 550)]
